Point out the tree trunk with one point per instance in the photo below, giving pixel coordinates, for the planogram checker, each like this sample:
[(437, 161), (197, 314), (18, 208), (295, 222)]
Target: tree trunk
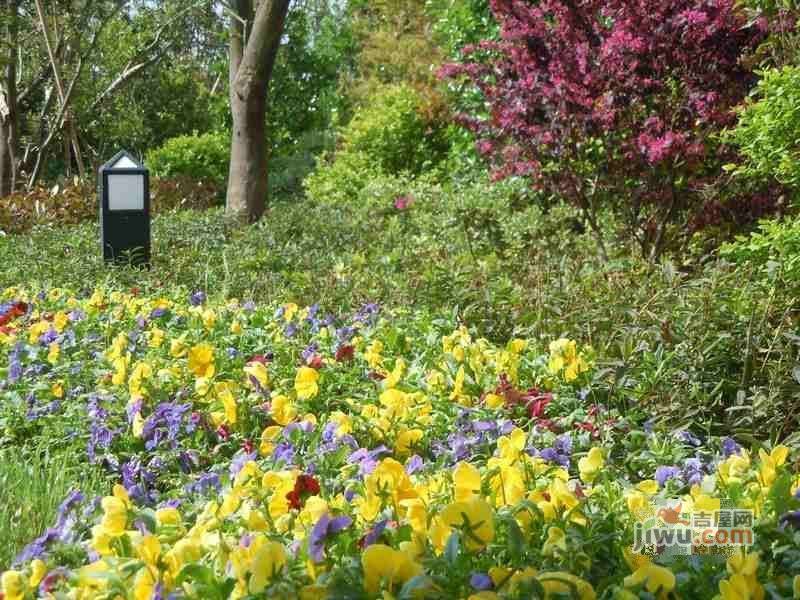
[(247, 177), (253, 47), (9, 120)]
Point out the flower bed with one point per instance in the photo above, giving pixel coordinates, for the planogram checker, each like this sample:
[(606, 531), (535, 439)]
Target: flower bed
[(290, 454)]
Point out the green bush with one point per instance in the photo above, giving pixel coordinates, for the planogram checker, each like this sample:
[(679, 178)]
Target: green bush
[(769, 129), (774, 250), (391, 136), (203, 156), (395, 133)]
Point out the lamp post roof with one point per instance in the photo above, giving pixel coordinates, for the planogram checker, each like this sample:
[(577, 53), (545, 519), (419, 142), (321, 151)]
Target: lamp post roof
[(121, 160)]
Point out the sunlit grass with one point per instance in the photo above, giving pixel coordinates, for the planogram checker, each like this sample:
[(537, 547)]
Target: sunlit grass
[(32, 485)]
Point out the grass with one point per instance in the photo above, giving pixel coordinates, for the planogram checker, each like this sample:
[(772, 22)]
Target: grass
[(31, 488)]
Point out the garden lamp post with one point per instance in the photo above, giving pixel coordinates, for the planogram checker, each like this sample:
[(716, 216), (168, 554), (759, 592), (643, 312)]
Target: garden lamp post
[(124, 194)]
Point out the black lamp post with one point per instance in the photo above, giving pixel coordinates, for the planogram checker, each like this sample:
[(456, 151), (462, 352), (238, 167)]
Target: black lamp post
[(125, 210)]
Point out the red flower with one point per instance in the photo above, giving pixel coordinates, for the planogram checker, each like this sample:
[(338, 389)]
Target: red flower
[(590, 427), (345, 353), (259, 358), (315, 362), (294, 500), (548, 424), (403, 202), (304, 486), (223, 432), (248, 446), (508, 391), (536, 402)]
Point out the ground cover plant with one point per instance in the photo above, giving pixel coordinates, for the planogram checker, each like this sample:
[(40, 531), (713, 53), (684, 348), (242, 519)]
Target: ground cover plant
[(282, 451)]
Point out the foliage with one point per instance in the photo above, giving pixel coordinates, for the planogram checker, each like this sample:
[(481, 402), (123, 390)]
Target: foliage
[(457, 25), (204, 156), (344, 455), (704, 343), (768, 128), (76, 202), (773, 250), (319, 51), (612, 104), (392, 35), (390, 136)]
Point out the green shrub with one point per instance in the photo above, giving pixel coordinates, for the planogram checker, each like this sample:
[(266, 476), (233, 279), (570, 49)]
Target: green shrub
[(395, 133), (774, 250), (769, 129), (390, 136), (203, 156)]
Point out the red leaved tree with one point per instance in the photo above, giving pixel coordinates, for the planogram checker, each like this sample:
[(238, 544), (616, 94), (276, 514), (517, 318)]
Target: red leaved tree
[(613, 104)]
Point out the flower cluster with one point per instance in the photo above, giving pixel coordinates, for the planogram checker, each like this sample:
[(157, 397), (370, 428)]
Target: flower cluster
[(286, 454)]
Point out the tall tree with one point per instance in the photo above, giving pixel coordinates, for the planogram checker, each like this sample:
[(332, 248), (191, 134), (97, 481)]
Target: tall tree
[(254, 41), (9, 134)]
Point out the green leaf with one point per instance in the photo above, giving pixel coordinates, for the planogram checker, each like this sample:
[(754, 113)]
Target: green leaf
[(451, 548)]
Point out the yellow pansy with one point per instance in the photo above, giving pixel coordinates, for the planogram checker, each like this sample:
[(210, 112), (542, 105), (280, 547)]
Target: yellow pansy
[(57, 389), (177, 347), (556, 542), (289, 311), (209, 319), (121, 369), (770, 463), (656, 579), (144, 584), (262, 559), (258, 371), (591, 464), (228, 400), (305, 383), (282, 410), (13, 585), (156, 337), (268, 439), (201, 360), (53, 352), (168, 516), (115, 513), (60, 321), (393, 378), (493, 401), (475, 518), (373, 354), (382, 563), (38, 571), (457, 395), (466, 480), (406, 439)]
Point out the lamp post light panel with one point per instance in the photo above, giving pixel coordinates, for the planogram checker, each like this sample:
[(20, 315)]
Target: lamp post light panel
[(124, 196)]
